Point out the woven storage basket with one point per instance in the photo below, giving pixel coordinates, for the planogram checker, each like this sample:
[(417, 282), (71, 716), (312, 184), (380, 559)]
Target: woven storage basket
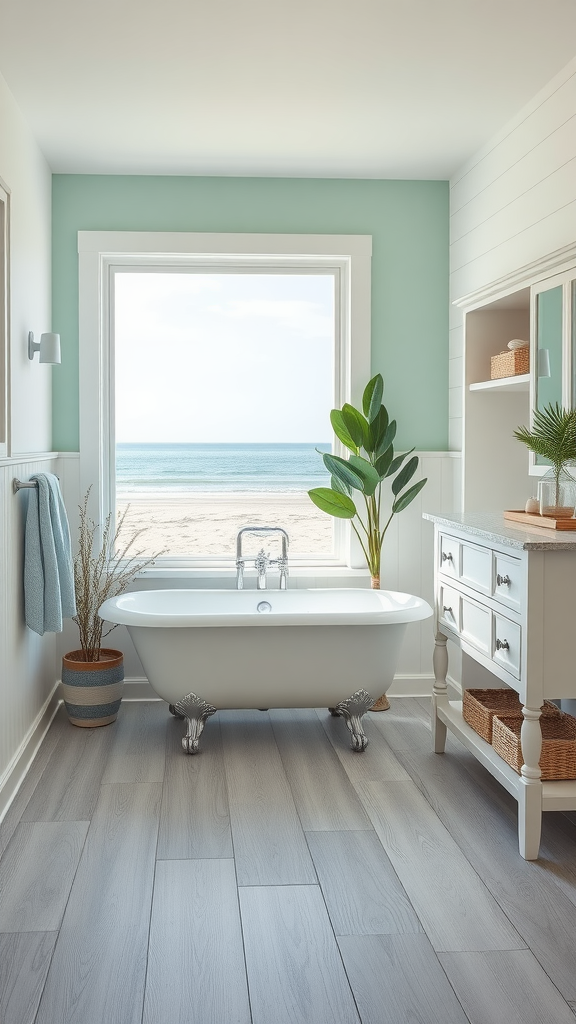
[(480, 706), (510, 363), (558, 757)]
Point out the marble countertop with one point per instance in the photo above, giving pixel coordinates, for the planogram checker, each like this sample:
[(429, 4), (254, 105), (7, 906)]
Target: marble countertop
[(492, 526)]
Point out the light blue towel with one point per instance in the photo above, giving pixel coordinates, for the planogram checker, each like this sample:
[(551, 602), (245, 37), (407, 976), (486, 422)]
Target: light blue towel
[(48, 567)]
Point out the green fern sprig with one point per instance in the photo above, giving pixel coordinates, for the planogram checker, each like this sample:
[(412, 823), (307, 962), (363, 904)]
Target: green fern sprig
[(553, 435)]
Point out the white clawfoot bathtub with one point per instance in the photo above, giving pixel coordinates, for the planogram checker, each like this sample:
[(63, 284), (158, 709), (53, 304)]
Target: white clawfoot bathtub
[(204, 650)]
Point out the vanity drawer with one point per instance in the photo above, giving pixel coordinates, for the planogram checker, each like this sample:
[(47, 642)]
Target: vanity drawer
[(508, 582), (449, 607), (507, 644), (468, 563), (476, 625), (449, 552)]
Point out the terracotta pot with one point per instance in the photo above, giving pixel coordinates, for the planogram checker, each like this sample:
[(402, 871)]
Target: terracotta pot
[(92, 690)]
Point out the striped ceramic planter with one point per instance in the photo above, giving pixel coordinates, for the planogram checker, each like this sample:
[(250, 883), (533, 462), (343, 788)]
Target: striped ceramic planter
[(92, 690)]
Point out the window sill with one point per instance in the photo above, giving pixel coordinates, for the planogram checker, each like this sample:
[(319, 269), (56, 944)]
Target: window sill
[(308, 575)]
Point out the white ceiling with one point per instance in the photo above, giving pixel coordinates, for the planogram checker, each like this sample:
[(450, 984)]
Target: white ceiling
[(365, 88)]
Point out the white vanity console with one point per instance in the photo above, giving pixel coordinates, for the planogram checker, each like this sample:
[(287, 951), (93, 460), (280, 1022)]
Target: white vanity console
[(507, 597)]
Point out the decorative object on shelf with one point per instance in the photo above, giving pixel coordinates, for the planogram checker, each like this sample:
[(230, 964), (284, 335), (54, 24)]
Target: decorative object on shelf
[(373, 433), (532, 506), (513, 362), (553, 437), (479, 708), (92, 677), (558, 757), (531, 520)]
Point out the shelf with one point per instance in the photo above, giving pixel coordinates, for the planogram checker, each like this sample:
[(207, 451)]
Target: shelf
[(521, 382)]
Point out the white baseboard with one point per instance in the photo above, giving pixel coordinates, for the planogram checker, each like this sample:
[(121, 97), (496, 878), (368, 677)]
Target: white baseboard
[(15, 772), (138, 687)]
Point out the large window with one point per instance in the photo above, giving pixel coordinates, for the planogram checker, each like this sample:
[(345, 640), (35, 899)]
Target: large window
[(218, 371)]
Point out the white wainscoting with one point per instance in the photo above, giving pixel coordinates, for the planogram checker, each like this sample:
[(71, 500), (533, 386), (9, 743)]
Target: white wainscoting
[(407, 566), (28, 671)]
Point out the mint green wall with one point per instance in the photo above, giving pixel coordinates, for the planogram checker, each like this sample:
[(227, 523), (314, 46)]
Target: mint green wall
[(408, 221)]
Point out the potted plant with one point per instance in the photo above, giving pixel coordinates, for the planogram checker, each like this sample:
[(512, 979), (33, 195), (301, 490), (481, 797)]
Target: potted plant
[(92, 677), (369, 436), (553, 437)]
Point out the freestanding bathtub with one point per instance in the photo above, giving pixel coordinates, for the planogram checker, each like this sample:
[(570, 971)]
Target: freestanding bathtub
[(204, 650)]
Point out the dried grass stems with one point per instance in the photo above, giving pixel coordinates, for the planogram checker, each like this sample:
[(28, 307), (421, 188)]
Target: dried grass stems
[(101, 572)]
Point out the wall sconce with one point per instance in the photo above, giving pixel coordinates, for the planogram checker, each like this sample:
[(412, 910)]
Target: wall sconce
[(48, 347)]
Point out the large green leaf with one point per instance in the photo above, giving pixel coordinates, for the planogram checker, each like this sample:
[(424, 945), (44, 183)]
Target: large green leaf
[(341, 431), (387, 439), (408, 496), (333, 502), (382, 465), (342, 469), (377, 429), (372, 397), (367, 474), (405, 475), (338, 485), (397, 462), (355, 424)]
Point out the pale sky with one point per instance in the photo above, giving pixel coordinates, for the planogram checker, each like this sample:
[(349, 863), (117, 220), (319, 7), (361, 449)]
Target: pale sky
[(220, 358)]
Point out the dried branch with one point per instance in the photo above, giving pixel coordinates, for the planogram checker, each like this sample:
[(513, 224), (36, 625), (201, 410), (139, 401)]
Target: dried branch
[(101, 572)]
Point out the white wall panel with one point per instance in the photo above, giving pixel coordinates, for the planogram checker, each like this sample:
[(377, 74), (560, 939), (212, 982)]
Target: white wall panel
[(27, 661)]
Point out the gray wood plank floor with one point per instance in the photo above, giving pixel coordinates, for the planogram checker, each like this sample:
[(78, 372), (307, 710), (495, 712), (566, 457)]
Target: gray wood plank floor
[(277, 878)]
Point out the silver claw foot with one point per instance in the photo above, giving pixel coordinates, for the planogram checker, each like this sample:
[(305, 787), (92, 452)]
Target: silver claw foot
[(173, 711), (195, 711), (352, 710)]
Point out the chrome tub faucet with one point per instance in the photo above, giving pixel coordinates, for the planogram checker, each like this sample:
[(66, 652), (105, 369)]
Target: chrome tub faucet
[(263, 562)]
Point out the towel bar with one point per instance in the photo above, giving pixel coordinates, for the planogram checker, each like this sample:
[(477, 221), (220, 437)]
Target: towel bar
[(17, 485)]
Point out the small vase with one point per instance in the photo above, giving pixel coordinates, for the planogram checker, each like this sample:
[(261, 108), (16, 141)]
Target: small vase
[(557, 494)]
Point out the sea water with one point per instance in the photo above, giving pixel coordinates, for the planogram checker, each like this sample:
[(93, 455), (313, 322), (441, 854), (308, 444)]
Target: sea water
[(219, 468)]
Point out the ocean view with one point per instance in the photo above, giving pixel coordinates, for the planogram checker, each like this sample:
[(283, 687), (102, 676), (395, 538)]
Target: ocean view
[(219, 468)]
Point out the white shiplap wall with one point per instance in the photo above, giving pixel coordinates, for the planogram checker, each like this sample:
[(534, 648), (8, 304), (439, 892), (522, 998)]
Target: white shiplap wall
[(513, 204)]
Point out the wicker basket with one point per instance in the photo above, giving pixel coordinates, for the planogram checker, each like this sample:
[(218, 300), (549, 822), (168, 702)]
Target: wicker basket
[(480, 706), (558, 757), (510, 363)]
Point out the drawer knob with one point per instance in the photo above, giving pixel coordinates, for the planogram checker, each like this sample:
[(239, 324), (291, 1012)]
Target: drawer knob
[(503, 581), (447, 556), (449, 610), (502, 645)]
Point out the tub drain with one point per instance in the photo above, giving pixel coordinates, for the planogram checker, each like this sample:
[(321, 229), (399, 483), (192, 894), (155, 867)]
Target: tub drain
[(264, 606)]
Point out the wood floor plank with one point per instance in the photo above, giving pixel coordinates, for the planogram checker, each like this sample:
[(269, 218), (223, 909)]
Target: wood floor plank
[(527, 891), (398, 979), (138, 753), (98, 968), (14, 813), (323, 794), (194, 820), (377, 763), (505, 986), (196, 968), (295, 973), (269, 845), (454, 906), (70, 785), (361, 889), (24, 961), (36, 874)]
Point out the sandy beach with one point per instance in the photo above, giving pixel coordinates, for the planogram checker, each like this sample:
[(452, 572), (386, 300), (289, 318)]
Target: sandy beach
[(207, 523)]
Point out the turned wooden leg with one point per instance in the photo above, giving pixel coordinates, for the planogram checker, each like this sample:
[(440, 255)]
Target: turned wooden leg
[(530, 790), (439, 691)]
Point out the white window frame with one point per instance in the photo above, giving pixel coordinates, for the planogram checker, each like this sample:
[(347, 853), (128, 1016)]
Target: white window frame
[(101, 253)]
